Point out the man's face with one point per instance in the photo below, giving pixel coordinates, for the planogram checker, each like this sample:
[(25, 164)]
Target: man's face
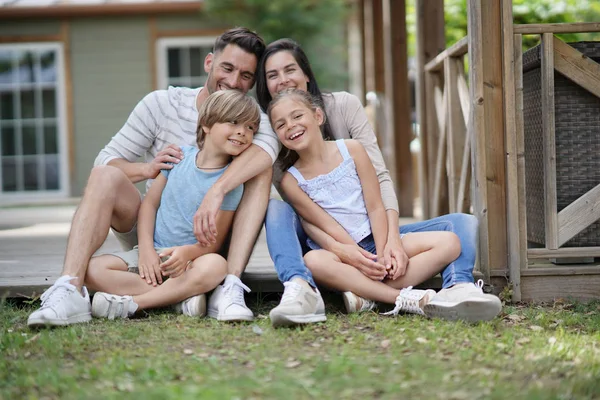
[(231, 68)]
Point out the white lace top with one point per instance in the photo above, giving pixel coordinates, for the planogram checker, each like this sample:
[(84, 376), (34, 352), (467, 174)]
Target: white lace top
[(340, 194)]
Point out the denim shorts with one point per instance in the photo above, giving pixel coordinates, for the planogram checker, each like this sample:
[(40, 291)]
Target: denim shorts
[(368, 243)]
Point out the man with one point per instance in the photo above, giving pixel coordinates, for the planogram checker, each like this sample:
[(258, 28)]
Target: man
[(161, 122)]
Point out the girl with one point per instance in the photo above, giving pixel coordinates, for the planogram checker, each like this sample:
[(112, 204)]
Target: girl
[(167, 245), (339, 178), (285, 65)]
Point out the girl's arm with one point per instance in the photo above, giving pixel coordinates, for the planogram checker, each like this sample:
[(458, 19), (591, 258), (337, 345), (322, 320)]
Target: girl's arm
[(311, 211), (371, 194)]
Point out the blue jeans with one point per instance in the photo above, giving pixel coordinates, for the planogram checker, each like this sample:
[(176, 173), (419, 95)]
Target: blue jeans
[(286, 241)]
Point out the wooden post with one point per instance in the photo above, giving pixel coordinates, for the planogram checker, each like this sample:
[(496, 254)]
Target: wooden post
[(398, 100), (373, 39), (511, 79), (431, 41), (486, 124)]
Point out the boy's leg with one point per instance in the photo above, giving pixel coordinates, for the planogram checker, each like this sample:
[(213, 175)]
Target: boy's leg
[(110, 199), (248, 220), (284, 237), (460, 298)]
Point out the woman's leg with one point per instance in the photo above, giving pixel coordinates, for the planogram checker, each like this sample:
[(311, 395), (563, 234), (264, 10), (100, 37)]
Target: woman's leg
[(429, 253), (465, 227), (329, 271), (205, 273)]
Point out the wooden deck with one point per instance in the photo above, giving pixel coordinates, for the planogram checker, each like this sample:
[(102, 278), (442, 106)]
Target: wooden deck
[(33, 242)]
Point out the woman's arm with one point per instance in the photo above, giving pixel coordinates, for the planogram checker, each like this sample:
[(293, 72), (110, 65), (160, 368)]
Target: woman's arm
[(371, 194)]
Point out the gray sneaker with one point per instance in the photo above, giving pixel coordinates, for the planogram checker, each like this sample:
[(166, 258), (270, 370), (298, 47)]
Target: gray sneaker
[(464, 301), (299, 305), (111, 306), (412, 301), (194, 306), (354, 303)]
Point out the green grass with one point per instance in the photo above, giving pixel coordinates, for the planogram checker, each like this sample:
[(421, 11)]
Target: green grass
[(533, 352)]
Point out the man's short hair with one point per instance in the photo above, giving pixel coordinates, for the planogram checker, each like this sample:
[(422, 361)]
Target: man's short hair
[(249, 41)]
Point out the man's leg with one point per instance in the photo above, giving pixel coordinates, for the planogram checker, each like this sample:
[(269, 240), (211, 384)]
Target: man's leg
[(227, 302), (109, 199), (460, 298)]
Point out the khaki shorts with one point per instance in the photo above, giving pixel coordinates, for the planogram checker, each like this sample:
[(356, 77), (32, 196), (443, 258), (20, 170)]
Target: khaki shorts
[(132, 257), (127, 240)]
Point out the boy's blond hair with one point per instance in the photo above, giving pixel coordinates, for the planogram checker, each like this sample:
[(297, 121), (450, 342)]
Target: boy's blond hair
[(226, 106)]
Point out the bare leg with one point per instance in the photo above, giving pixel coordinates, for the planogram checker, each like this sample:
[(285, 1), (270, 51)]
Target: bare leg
[(429, 253), (108, 273), (110, 199), (205, 273), (248, 221), (327, 269)]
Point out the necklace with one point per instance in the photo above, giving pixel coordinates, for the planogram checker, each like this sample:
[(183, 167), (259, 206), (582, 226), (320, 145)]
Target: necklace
[(222, 166)]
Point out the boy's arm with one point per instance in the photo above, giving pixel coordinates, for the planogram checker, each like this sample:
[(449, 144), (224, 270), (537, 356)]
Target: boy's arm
[(371, 194), (149, 261)]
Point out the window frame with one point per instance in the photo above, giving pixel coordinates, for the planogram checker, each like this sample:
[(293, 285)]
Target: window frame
[(39, 196), (164, 44)]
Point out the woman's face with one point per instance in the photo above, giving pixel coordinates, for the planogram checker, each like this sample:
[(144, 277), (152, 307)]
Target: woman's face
[(283, 72)]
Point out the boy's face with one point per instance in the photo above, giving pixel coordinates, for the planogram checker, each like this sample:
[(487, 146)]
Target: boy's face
[(231, 137), (231, 68)]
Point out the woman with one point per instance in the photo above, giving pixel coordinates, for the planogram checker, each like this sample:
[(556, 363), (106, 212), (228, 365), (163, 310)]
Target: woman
[(285, 65)]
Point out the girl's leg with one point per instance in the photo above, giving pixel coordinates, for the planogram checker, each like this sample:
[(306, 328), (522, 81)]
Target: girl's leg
[(429, 253), (284, 237), (108, 273), (465, 227), (205, 273), (328, 270)]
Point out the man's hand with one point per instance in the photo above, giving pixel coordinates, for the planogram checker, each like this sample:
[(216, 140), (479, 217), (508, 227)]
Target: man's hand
[(178, 261), (361, 259), (394, 257), (170, 154), (149, 267), (205, 227)]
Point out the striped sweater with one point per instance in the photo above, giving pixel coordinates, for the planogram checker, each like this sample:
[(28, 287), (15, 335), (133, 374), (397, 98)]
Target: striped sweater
[(166, 117)]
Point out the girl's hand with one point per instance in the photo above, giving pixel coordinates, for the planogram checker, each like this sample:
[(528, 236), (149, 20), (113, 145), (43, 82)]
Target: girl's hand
[(394, 257), (362, 260), (178, 261), (148, 265)]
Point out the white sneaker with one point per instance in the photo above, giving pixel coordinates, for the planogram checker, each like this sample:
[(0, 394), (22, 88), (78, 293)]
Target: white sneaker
[(105, 305), (355, 303), (227, 301), (62, 304), (299, 305), (412, 301), (194, 306), (464, 301)]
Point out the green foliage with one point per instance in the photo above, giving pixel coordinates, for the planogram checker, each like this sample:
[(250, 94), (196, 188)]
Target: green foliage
[(318, 25)]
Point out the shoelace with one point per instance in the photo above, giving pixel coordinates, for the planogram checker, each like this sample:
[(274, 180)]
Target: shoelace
[(236, 296), (290, 292), (57, 292), (407, 300), (479, 285), (367, 305)]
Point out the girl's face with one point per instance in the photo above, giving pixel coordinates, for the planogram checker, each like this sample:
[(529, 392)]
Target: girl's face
[(230, 137), (295, 123), (282, 72)]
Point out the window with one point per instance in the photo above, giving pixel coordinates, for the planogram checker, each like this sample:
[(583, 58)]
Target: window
[(181, 61), (32, 139)]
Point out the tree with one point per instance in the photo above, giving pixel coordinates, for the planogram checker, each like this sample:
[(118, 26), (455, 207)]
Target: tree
[(318, 25)]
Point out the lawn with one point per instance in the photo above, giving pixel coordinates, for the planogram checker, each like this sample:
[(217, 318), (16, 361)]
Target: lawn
[(529, 352)]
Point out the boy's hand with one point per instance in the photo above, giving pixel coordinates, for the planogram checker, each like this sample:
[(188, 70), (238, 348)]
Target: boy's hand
[(178, 261), (149, 266)]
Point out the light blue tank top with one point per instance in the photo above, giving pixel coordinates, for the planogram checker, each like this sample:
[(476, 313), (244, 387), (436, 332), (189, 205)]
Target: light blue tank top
[(340, 194), (185, 189)]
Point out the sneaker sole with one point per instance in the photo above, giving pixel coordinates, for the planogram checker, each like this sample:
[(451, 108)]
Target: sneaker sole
[(278, 320), (229, 318), (76, 319), (470, 311)]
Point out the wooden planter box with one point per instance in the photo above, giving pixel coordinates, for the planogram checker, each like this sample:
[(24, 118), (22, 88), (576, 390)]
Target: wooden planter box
[(577, 118)]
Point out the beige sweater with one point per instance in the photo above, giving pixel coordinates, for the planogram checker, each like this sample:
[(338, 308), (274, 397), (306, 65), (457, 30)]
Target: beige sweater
[(348, 120)]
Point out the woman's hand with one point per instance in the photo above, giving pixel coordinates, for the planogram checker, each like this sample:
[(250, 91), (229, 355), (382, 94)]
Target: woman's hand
[(360, 259), (394, 257), (149, 267), (178, 261)]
